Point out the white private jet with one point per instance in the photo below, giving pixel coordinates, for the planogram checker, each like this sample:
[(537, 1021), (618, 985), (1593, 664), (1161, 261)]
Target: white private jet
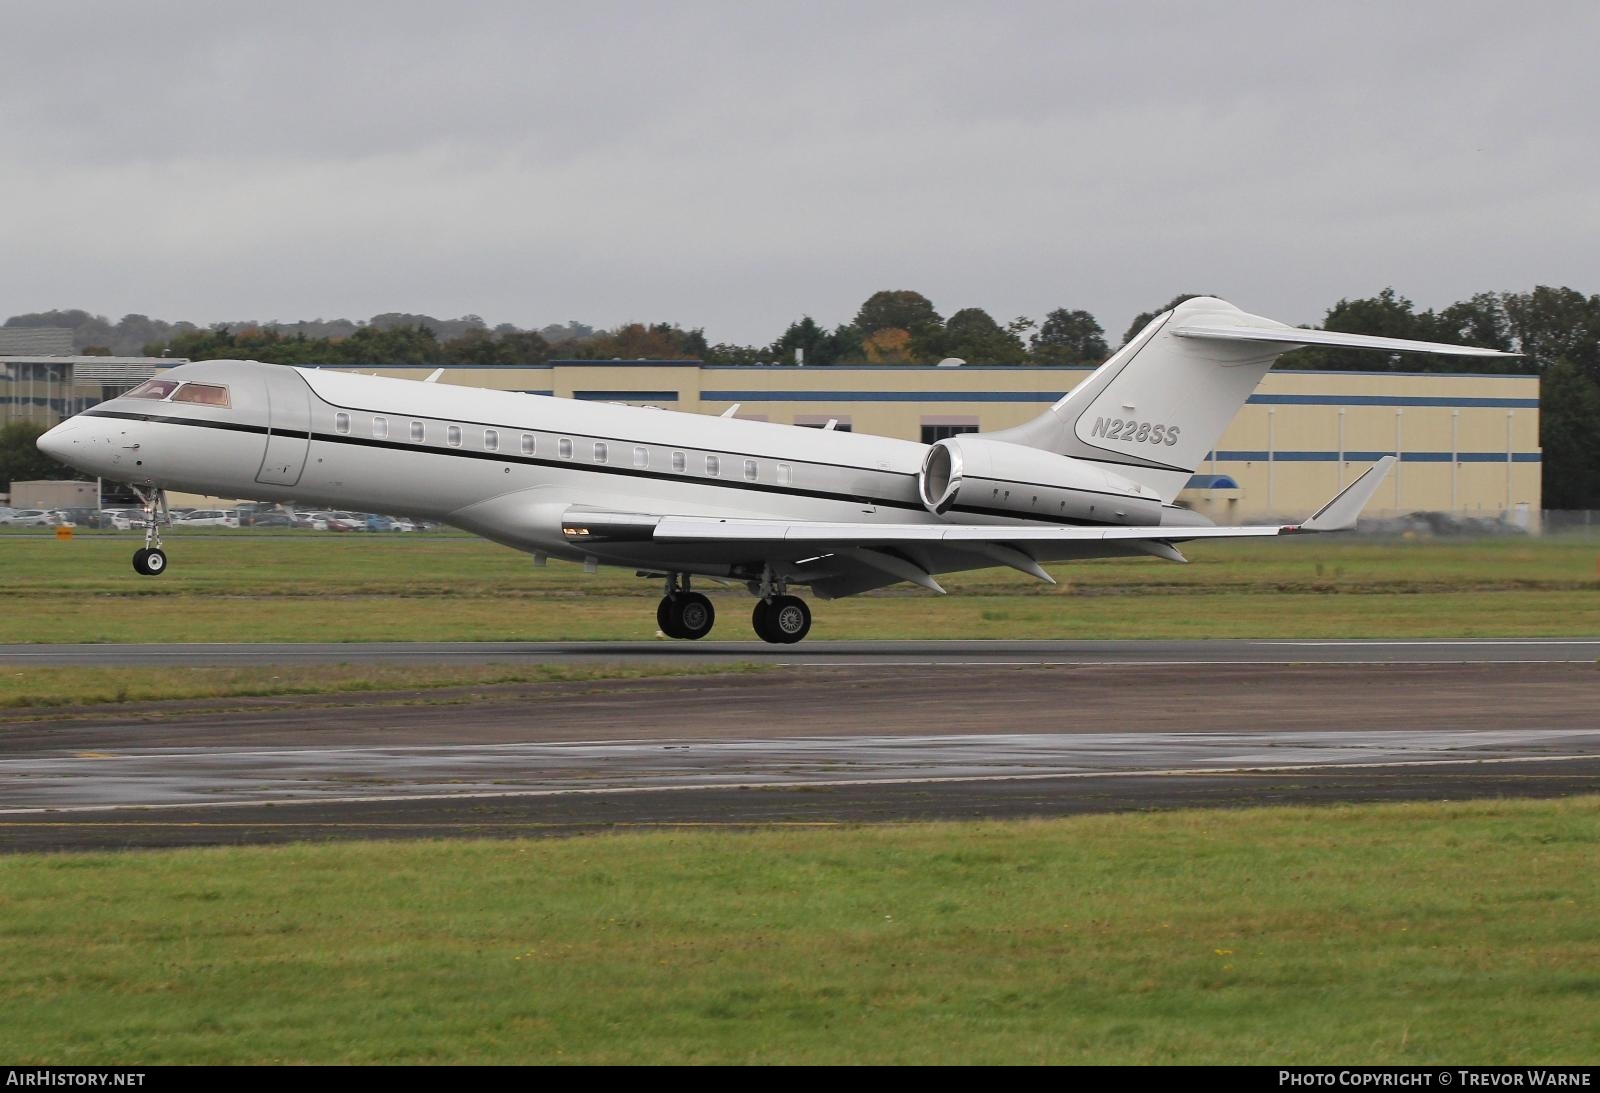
[(677, 495)]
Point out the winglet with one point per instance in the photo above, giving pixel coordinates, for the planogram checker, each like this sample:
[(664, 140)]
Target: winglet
[(1340, 513)]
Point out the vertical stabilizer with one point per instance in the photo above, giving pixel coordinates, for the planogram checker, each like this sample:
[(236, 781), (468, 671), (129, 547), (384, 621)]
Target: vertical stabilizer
[(1160, 404)]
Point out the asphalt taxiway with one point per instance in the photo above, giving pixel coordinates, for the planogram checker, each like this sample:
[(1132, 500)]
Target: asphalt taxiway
[(829, 734)]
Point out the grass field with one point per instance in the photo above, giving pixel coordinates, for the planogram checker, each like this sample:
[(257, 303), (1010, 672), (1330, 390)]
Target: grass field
[(304, 586), (1439, 933)]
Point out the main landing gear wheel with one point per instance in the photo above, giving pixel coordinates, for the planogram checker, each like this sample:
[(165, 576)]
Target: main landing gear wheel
[(687, 615), (150, 561), (783, 620)]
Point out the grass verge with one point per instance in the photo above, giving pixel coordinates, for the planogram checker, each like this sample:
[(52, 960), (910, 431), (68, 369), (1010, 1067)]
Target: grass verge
[(240, 587), (1405, 934)]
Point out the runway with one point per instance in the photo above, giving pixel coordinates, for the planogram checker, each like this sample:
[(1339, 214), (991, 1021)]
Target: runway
[(880, 653), (936, 730)]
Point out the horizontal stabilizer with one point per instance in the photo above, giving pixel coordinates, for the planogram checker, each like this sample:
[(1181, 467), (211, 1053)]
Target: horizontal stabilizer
[(1340, 513), (1294, 335)]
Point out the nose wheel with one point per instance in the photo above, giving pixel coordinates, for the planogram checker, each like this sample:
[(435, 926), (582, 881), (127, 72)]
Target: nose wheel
[(782, 620), (684, 614), (151, 560)]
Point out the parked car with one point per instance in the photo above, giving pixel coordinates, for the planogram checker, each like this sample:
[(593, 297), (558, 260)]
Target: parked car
[(33, 518), (7, 513), (272, 520), (207, 518)]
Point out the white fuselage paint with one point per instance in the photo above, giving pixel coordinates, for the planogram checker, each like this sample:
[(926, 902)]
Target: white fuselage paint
[(453, 475)]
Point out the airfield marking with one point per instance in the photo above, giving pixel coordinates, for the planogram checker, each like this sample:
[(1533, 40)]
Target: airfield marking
[(845, 783), (1381, 739)]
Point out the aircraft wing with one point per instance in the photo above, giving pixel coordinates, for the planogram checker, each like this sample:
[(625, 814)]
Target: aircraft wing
[(913, 552)]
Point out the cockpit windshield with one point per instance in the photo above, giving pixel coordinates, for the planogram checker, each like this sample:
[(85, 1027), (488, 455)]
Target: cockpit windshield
[(153, 389), (204, 394), (207, 394)]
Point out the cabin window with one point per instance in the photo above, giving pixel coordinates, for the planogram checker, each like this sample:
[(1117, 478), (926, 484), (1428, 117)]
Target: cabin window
[(679, 462), (713, 466), (527, 443), (641, 456), (206, 394), (153, 389), (565, 447), (600, 452), (341, 422), (491, 440), (785, 478), (452, 436), (380, 427), (418, 432), (750, 470)]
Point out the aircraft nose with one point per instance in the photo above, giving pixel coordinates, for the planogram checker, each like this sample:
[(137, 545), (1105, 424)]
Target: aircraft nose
[(57, 443)]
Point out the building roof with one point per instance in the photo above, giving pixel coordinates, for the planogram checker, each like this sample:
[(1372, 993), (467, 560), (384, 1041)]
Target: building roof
[(35, 341)]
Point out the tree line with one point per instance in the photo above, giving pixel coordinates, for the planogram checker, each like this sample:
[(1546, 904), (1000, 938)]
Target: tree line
[(1556, 331)]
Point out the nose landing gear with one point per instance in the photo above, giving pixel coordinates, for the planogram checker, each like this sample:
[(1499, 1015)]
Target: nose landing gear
[(682, 613), (151, 561)]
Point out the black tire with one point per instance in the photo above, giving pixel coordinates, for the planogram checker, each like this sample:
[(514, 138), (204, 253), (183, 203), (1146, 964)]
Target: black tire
[(138, 561), (691, 615), (155, 562), (761, 620), (783, 621), (789, 619), (664, 617)]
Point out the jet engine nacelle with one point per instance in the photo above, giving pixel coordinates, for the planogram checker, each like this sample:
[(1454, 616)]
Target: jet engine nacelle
[(993, 477)]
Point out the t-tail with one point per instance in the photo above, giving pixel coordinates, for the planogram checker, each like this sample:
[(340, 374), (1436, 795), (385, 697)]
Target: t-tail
[(1155, 410)]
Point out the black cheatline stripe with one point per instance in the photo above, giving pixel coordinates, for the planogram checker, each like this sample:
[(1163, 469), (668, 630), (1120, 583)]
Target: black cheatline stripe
[(601, 468), (203, 423)]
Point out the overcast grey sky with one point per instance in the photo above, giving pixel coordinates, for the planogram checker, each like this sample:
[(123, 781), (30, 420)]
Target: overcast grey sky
[(734, 165)]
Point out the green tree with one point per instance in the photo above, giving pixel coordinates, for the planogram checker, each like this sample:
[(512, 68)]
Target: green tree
[(1142, 320), (1069, 337), (20, 457), (727, 353), (1569, 415), (972, 335), (636, 341), (848, 344), (819, 346), (899, 309), (1552, 324), (1481, 321)]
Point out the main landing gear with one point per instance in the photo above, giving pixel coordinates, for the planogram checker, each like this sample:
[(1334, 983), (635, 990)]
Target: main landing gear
[(684, 614), (782, 620), (779, 618), (151, 561)]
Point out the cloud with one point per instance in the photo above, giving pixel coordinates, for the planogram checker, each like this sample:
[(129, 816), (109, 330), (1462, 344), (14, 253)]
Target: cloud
[(734, 165)]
